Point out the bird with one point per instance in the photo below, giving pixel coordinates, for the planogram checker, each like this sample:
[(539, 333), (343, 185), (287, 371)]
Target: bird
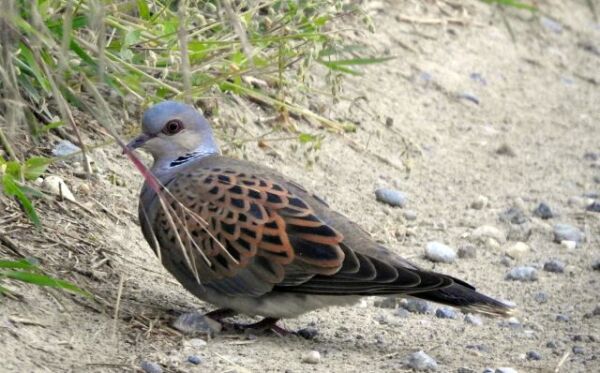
[(252, 241)]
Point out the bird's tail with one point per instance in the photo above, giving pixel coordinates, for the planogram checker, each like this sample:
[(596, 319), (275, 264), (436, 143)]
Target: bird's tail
[(465, 297)]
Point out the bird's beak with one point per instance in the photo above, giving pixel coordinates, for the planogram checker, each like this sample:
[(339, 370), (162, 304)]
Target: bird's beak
[(138, 142)]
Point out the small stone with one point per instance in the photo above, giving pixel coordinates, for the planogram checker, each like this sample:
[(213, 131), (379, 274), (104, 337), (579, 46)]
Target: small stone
[(506, 261), (543, 211), (473, 320), (519, 232), (438, 252), (64, 148), (562, 318), (196, 323), (469, 97), (467, 251), (445, 313), (465, 370), (523, 273), (56, 185), (506, 150), (596, 265), (569, 245), (421, 361), (540, 297), (512, 323), (551, 344), (596, 311), (402, 313), (594, 207), (578, 350), (513, 215), (484, 232), (505, 370), (409, 215), (194, 343), (479, 203), (491, 244), (311, 357), (391, 196), (151, 367), (416, 305), (566, 232), (555, 266), (308, 333), (551, 25), (533, 355), (194, 359), (488, 370), (83, 189), (517, 250)]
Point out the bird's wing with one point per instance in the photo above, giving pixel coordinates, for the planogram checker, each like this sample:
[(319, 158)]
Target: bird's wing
[(246, 233)]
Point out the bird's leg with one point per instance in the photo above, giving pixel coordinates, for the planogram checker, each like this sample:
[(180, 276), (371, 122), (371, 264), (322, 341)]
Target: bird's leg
[(219, 314), (264, 325)]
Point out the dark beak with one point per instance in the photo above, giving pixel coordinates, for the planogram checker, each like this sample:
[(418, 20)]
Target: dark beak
[(138, 142)]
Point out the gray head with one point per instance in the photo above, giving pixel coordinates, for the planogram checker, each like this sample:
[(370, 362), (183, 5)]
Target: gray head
[(171, 130)]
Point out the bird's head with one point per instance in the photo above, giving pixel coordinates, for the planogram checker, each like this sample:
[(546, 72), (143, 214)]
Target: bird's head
[(173, 129)]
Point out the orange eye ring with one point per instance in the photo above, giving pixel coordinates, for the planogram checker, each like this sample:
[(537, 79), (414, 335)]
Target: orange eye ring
[(172, 127)]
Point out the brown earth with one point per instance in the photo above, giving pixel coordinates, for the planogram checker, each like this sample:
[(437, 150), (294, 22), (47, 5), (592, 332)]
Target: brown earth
[(429, 122)]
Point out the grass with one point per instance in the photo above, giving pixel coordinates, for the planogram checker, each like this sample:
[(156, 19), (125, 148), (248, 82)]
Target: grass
[(59, 57)]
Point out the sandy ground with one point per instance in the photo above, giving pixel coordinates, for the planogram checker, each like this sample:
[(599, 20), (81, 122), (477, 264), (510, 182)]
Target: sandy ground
[(429, 123)]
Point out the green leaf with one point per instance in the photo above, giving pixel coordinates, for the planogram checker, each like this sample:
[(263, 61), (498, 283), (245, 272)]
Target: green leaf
[(43, 280), (512, 3), (34, 167), (22, 264), (11, 188), (143, 9), (306, 137)]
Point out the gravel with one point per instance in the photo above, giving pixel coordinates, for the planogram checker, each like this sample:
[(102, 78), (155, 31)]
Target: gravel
[(196, 323), (311, 357), (578, 350), (563, 318), (484, 232), (505, 370), (416, 306), (540, 297), (513, 215), (522, 274), (566, 232), (308, 333), (543, 211), (596, 265), (151, 367), (479, 203), (473, 320), (517, 250), (555, 266), (392, 197), (421, 361), (445, 313), (194, 359), (64, 148), (467, 251), (594, 207), (533, 355), (438, 252)]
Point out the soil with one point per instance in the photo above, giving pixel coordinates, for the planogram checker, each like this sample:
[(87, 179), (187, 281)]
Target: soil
[(462, 111)]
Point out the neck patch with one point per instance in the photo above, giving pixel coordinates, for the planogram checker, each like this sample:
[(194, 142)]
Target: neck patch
[(183, 159)]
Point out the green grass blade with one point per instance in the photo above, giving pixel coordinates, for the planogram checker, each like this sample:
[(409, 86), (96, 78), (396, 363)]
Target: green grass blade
[(44, 280), (21, 264), (11, 188), (34, 167), (512, 3)]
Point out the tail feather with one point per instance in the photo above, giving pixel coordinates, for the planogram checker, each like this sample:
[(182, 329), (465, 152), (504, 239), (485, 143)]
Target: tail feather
[(467, 299)]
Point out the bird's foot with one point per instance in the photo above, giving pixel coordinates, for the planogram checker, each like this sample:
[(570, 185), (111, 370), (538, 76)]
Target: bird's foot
[(266, 325)]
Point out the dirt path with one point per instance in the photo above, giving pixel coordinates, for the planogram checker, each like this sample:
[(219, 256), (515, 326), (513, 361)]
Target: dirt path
[(462, 112)]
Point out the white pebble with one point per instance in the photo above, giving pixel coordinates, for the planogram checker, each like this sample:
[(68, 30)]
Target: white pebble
[(566, 232), (421, 361), (473, 320), (391, 196), (438, 252), (194, 343), (487, 231), (505, 370), (569, 245), (517, 250), (55, 185), (479, 203), (522, 274), (311, 357)]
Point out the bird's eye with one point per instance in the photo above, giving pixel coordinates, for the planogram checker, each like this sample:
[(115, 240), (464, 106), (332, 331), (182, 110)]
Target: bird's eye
[(172, 127)]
